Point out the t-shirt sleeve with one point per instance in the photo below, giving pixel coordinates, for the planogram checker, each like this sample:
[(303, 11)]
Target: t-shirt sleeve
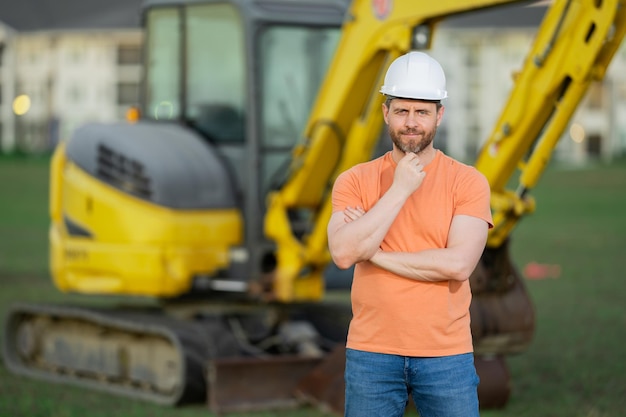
[(346, 191), (473, 196)]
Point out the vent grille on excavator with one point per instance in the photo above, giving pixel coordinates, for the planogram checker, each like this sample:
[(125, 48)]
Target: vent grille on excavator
[(123, 172)]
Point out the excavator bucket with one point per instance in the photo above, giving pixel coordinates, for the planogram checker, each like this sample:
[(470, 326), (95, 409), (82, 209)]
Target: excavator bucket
[(495, 381), (324, 387), (240, 384), (255, 384)]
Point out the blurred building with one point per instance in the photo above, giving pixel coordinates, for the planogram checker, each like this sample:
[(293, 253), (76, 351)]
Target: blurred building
[(63, 63), (80, 61)]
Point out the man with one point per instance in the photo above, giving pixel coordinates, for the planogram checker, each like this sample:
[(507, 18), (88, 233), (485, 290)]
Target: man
[(414, 222)]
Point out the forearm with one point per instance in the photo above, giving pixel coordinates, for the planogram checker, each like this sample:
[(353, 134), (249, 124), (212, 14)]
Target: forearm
[(432, 265), (466, 242), (358, 239)]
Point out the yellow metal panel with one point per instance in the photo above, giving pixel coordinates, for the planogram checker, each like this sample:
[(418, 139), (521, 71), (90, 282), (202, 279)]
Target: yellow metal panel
[(133, 247)]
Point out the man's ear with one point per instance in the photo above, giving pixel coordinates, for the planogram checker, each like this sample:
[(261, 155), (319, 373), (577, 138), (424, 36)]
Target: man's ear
[(440, 114), (385, 113)]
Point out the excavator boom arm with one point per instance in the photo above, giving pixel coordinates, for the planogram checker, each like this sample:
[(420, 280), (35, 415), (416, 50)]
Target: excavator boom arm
[(573, 48)]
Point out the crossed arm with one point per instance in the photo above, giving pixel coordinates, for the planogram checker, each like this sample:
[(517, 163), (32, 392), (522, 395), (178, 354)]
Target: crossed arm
[(355, 236)]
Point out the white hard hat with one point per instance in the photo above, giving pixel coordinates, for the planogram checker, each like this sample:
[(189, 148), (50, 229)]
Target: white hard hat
[(415, 75)]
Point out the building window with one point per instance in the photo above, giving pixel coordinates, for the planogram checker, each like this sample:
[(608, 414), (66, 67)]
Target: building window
[(128, 55), (594, 145), (127, 93)]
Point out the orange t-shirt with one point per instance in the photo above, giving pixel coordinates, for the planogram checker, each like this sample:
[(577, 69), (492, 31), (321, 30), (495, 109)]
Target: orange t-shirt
[(397, 315)]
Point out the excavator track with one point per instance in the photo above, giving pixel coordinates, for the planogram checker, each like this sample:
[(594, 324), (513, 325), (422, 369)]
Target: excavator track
[(140, 353), (178, 353)]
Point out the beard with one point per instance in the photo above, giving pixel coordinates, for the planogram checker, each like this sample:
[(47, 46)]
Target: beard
[(415, 146)]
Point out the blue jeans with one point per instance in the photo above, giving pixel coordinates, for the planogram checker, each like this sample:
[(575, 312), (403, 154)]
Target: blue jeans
[(379, 385)]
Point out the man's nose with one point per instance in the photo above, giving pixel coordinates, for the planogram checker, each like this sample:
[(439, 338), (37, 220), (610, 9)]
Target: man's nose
[(412, 119)]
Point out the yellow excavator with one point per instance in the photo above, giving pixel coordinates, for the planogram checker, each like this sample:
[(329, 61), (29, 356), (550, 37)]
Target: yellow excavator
[(209, 212)]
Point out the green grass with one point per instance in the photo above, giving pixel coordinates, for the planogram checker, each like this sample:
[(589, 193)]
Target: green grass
[(24, 218), (575, 367)]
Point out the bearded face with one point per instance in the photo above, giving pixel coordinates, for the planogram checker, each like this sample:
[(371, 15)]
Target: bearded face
[(412, 144), (412, 124)]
